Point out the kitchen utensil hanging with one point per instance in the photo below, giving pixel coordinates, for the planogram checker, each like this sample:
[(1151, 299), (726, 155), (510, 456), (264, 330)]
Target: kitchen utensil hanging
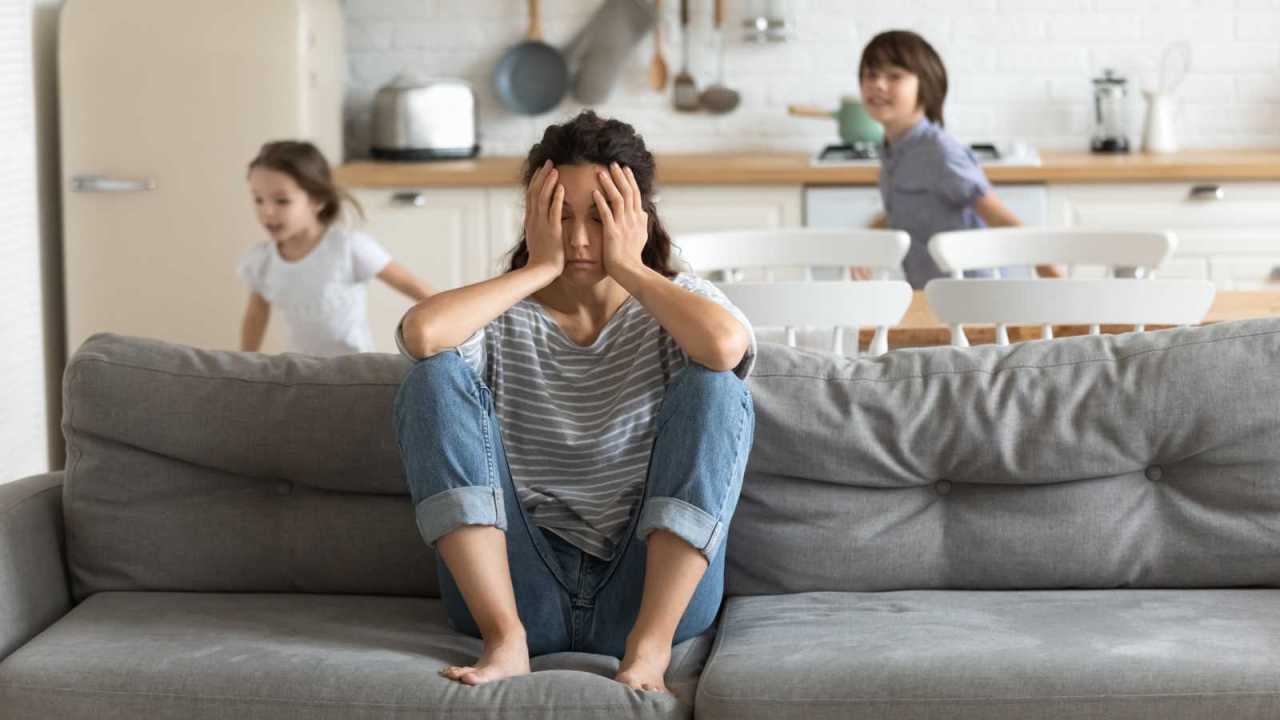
[(597, 54), (658, 66), (531, 77), (719, 98), (685, 89)]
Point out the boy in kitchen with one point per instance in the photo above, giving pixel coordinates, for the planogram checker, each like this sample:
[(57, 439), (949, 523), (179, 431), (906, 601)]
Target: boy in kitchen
[(929, 181)]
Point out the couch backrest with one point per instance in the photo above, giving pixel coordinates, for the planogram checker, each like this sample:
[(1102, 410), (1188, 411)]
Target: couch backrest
[(1142, 460), (195, 470), (1139, 460)]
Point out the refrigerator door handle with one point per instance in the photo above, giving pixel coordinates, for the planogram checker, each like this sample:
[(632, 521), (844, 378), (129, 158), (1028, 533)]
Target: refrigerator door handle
[(102, 183)]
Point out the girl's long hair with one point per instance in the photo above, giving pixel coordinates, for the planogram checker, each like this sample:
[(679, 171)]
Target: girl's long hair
[(304, 162)]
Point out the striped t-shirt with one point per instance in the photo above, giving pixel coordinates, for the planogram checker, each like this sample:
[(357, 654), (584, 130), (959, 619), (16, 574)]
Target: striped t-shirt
[(578, 422)]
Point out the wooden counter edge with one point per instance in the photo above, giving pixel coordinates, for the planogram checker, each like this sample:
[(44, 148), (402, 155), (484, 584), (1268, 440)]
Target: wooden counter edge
[(795, 169)]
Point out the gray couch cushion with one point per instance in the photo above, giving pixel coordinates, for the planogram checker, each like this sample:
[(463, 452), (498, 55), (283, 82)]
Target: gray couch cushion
[(33, 577), (218, 471), (917, 655), (255, 656), (1139, 460)]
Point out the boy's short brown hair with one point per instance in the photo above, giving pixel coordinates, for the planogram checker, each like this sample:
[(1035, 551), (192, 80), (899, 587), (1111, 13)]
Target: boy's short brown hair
[(913, 53)]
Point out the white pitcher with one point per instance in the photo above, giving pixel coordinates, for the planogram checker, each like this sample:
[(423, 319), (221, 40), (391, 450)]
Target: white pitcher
[(1157, 132)]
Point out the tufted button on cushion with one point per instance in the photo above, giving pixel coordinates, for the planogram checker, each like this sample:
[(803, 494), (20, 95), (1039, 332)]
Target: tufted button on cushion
[(1154, 473), (284, 487), (942, 487)]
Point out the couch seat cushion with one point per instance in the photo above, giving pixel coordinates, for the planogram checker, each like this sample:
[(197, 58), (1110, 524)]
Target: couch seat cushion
[(249, 656), (1113, 654)]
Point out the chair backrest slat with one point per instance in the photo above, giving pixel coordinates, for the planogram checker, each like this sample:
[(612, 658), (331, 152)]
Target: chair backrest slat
[(839, 305), (793, 247), (1068, 302), (821, 304), (961, 250)]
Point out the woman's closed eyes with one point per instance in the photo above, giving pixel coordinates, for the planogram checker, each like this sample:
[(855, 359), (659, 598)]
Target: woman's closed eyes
[(592, 217)]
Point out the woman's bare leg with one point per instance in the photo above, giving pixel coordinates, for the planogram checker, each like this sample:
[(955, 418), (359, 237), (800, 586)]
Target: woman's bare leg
[(476, 556), (672, 570)]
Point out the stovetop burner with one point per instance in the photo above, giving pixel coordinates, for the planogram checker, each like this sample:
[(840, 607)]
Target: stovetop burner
[(869, 153), (846, 153)]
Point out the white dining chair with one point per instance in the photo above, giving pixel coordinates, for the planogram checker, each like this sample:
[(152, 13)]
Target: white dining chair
[(1139, 253), (747, 265), (1068, 301), (779, 254)]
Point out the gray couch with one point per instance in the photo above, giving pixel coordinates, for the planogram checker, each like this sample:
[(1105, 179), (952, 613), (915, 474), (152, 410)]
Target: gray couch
[(1081, 528)]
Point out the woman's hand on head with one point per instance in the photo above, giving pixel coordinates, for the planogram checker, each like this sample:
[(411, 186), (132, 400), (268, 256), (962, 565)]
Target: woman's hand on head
[(626, 224), (543, 202)]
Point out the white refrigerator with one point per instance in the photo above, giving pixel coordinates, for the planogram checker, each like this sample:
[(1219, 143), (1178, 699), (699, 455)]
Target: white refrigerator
[(162, 104)]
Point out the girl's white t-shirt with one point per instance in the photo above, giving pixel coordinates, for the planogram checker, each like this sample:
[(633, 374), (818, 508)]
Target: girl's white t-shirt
[(322, 296)]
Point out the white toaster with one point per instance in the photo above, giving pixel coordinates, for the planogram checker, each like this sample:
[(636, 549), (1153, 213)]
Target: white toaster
[(424, 120)]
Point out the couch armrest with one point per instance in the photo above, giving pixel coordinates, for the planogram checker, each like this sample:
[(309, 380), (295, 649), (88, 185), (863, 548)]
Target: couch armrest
[(33, 576)]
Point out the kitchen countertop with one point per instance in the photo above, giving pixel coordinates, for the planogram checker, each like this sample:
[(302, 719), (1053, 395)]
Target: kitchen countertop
[(795, 169)]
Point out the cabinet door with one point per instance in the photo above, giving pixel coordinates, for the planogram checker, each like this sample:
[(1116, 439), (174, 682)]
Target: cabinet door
[(438, 234), (1226, 232), (689, 209), (506, 222)]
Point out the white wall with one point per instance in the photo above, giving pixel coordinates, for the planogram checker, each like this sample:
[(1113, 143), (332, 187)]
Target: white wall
[(23, 431), (1019, 69)]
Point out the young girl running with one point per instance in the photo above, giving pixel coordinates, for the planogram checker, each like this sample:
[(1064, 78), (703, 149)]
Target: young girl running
[(575, 431), (312, 269)]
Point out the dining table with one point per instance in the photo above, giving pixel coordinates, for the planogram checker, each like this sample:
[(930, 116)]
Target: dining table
[(921, 328)]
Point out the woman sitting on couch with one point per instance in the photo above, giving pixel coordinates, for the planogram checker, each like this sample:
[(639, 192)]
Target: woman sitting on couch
[(575, 431)]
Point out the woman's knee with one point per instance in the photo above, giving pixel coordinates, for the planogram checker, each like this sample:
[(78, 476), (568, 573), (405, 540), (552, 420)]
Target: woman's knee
[(433, 384), (710, 391)]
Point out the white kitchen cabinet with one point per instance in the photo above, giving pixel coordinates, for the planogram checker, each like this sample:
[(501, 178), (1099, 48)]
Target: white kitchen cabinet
[(702, 208), (439, 234), (1227, 232)]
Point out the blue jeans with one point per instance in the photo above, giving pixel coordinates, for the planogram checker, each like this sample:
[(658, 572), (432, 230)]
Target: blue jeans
[(568, 600)]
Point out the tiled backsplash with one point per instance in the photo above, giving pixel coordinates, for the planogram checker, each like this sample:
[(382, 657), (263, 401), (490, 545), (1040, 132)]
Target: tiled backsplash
[(1019, 69)]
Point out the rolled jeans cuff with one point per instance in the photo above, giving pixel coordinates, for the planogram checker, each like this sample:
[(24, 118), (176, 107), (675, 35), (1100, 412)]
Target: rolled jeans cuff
[(687, 522), (447, 511)]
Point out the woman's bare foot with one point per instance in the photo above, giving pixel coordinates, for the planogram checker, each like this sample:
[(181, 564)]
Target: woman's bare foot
[(644, 666), (504, 657)]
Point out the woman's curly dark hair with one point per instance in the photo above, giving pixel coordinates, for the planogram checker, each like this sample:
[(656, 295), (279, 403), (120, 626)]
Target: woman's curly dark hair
[(589, 138)]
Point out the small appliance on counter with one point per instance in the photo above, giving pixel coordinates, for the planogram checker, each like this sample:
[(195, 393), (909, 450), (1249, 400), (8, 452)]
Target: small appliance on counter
[(1110, 130), (415, 120)]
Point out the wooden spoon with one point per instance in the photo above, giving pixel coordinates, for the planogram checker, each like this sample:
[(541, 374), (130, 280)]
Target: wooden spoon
[(657, 68)]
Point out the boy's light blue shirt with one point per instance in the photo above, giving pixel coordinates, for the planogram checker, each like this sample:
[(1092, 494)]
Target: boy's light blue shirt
[(929, 182)]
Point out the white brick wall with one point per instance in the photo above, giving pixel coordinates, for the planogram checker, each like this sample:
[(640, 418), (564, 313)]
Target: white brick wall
[(1019, 69), (23, 433)]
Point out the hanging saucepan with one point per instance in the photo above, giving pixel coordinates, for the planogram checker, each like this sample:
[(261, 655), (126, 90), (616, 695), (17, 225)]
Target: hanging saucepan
[(532, 77)]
